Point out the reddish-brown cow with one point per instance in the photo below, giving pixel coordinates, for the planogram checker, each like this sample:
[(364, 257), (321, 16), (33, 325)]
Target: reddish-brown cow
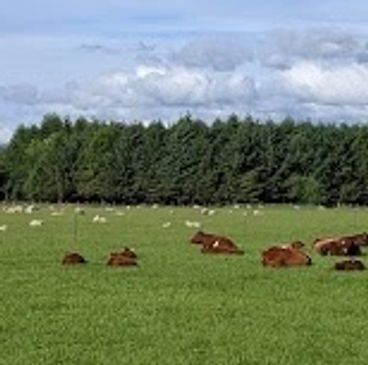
[(285, 256), (349, 265), (339, 246), (215, 244), (73, 259), (118, 259)]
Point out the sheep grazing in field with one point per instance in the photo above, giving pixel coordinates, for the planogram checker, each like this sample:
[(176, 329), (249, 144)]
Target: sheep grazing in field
[(119, 214), (127, 257), (154, 206), (236, 206), (98, 219), (166, 225), (191, 224), (73, 259), (350, 265), (36, 223), (257, 212), (204, 211), (3, 228), (56, 214), (15, 209), (79, 211), (109, 209), (30, 209)]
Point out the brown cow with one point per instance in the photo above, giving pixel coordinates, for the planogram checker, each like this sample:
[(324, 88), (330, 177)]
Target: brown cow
[(73, 259), (117, 259), (285, 256), (126, 257), (215, 244), (201, 238), (128, 252), (360, 240), (349, 265), (338, 246), (221, 245)]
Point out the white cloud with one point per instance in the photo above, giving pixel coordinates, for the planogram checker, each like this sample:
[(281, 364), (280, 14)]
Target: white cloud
[(174, 87), (329, 85)]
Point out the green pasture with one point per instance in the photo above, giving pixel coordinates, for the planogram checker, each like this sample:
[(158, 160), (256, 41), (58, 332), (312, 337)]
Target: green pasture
[(179, 307)]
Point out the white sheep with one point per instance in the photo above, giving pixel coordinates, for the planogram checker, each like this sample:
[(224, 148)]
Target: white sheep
[(79, 210), (56, 214), (36, 223), (191, 224), (257, 212), (98, 219), (204, 211), (30, 209), (166, 225), (3, 228)]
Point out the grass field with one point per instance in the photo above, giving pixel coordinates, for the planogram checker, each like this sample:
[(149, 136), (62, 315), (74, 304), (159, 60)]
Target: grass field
[(179, 306)]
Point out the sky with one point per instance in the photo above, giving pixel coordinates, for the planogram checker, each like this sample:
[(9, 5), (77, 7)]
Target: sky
[(144, 60)]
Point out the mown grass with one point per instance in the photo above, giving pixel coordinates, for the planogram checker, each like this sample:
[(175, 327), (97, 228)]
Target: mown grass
[(179, 306)]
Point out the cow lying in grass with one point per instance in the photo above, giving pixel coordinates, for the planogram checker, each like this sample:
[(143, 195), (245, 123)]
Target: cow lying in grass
[(127, 257), (215, 244), (349, 265), (341, 246), (286, 255), (73, 259)]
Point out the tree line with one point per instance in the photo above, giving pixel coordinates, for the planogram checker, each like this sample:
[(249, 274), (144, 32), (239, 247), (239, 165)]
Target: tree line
[(231, 161)]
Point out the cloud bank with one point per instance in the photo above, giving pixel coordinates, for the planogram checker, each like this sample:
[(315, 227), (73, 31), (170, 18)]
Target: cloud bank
[(320, 74)]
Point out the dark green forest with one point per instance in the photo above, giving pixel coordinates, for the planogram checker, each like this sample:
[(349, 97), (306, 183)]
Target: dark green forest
[(231, 161)]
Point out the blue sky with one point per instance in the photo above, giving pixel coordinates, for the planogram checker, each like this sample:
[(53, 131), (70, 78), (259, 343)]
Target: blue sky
[(144, 59)]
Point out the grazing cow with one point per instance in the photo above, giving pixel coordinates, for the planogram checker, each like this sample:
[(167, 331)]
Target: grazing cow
[(73, 259), (283, 257), (349, 265), (338, 246), (121, 259), (215, 244)]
